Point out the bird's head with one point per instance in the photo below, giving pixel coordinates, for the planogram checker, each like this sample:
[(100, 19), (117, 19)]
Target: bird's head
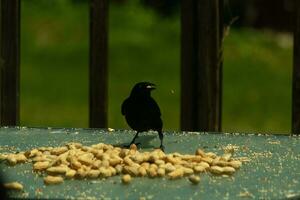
[(142, 89)]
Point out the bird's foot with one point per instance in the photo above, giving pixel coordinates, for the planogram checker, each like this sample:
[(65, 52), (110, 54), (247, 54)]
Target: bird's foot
[(162, 147)]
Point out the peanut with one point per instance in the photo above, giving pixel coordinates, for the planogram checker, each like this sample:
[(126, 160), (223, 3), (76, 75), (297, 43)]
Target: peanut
[(211, 155), (34, 153), (126, 179), (204, 164), (187, 171), (11, 159), (177, 173), (86, 159), (200, 152), (70, 173), (20, 157), (59, 150), (207, 160), (226, 157), (41, 165), (235, 164), (199, 169), (13, 186), (228, 170), (93, 173), (3, 156), (133, 171), (216, 170), (105, 172), (152, 172), (194, 179), (169, 167), (142, 171), (161, 172), (57, 170), (50, 180)]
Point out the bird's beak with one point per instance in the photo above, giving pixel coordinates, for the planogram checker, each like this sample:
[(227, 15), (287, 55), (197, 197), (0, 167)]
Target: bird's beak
[(151, 86)]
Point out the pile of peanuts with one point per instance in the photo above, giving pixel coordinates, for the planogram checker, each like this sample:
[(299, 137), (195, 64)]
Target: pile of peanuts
[(75, 160)]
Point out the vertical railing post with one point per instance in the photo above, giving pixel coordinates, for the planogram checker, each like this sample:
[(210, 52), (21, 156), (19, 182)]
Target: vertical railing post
[(220, 73), (296, 73), (98, 81), (201, 63), (9, 62)]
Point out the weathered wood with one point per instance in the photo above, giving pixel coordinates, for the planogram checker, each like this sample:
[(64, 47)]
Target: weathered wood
[(201, 61), (9, 62), (188, 115), (220, 75), (98, 85), (296, 74)]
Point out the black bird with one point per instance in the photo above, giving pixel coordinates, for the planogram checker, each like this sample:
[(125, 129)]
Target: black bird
[(142, 112)]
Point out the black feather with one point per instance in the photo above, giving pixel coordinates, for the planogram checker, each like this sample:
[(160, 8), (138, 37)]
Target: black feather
[(141, 111)]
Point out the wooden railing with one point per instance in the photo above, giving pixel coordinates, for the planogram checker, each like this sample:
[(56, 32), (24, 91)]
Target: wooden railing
[(296, 73), (201, 64)]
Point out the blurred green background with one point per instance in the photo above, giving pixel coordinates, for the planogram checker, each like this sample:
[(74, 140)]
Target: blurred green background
[(145, 46)]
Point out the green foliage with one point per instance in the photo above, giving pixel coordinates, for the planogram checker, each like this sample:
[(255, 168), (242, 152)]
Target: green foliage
[(257, 82), (143, 46)]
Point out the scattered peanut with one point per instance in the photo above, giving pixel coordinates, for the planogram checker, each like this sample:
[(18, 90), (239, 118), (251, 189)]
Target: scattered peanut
[(102, 160), (20, 157), (177, 173), (152, 172), (161, 172), (86, 159), (57, 170), (226, 156), (204, 164), (142, 171), (11, 159), (133, 171), (194, 179), (41, 165), (59, 150), (216, 170), (70, 173), (187, 171), (211, 155), (3, 156), (199, 169), (228, 170), (50, 180), (235, 164), (13, 186), (93, 173), (126, 179)]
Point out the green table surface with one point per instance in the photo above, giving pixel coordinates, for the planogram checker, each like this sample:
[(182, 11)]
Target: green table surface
[(273, 171)]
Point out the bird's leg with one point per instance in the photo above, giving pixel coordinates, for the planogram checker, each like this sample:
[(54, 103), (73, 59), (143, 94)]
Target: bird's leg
[(133, 140), (161, 137)]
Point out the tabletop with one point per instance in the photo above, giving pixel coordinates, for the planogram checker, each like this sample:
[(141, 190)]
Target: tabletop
[(272, 170)]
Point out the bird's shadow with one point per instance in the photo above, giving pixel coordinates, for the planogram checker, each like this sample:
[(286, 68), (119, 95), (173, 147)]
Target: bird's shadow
[(143, 142)]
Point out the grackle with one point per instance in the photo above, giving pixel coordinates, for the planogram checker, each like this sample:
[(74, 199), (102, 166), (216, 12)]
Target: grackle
[(142, 112)]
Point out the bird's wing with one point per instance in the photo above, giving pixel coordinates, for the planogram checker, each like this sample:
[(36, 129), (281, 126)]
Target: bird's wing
[(154, 107)]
